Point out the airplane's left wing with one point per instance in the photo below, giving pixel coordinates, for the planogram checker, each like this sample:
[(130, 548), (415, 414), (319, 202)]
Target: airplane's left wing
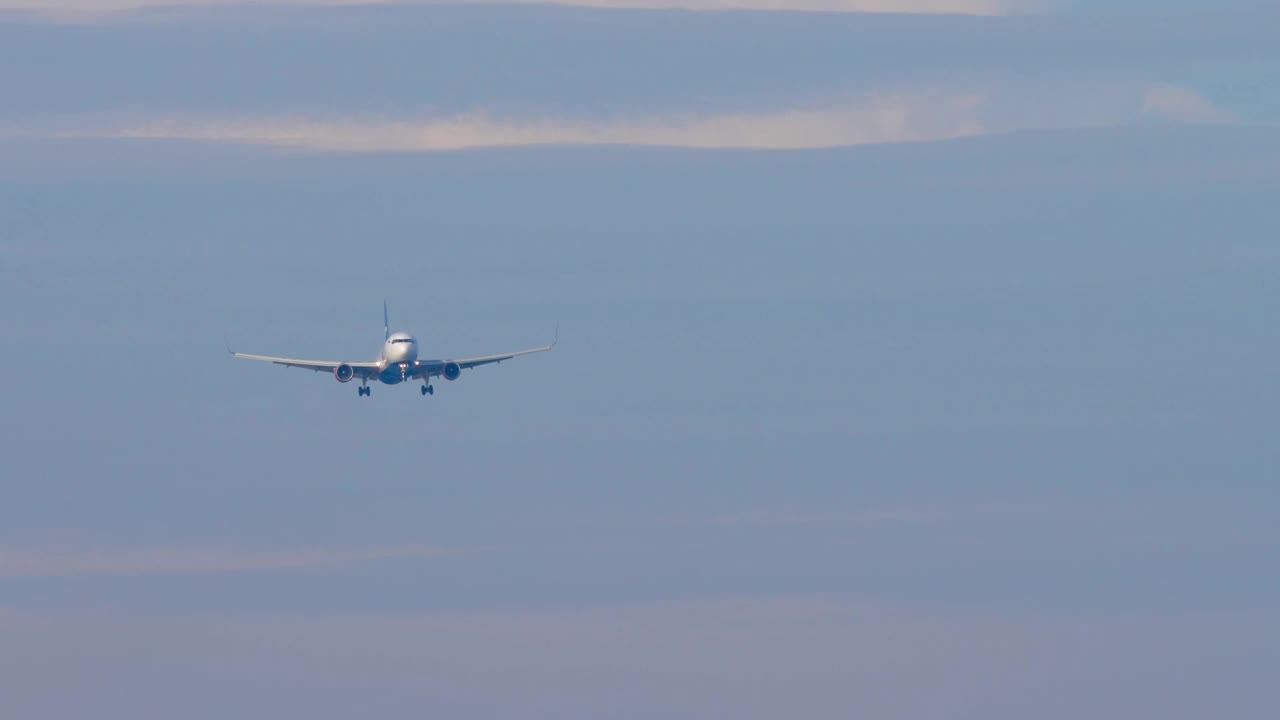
[(471, 362), (428, 368)]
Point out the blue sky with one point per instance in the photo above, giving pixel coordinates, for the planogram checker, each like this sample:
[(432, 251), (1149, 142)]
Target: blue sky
[(910, 365)]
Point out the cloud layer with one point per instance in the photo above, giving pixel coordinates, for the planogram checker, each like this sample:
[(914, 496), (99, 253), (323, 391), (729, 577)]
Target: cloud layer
[(744, 658), (949, 7), (888, 117), (32, 563), (1182, 104), (901, 118)]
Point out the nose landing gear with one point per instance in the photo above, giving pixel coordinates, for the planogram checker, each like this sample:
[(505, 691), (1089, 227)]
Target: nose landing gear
[(428, 390)]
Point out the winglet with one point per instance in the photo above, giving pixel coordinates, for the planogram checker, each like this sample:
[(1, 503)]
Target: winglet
[(386, 324), (556, 338), (233, 352)]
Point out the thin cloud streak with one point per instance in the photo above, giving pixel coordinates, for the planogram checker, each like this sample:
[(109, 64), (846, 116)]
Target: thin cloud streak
[(913, 7), (733, 657), (50, 563), (868, 520), (888, 120), (1182, 104)]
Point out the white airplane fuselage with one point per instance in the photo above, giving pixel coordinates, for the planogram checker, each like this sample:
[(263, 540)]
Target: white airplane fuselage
[(399, 353)]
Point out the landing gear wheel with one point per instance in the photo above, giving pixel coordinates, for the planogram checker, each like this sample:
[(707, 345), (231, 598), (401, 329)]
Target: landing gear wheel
[(424, 389), (364, 391), (431, 389)]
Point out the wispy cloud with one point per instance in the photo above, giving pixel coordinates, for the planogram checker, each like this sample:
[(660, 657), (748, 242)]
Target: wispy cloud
[(871, 519), (951, 7), (741, 658), (887, 119), (32, 563), (1183, 104), (889, 116)]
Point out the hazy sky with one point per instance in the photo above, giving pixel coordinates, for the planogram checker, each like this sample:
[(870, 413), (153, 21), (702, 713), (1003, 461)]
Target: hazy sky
[(912, 365)]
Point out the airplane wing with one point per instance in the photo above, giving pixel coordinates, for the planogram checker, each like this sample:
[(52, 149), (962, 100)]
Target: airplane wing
[(471, 362), (428, 368), (362, 369)]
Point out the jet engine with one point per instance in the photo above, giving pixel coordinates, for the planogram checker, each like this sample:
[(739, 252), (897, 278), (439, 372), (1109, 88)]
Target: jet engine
[(452, 371), (343, 373)]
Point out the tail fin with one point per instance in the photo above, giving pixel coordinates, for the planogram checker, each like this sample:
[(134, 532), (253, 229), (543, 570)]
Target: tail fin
[(386, 324)]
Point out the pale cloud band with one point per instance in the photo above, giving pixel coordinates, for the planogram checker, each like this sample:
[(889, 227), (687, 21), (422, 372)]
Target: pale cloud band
[(885, 120), (948, 7), (734, 657), (889, 117), (35, 563), (1182, 104)]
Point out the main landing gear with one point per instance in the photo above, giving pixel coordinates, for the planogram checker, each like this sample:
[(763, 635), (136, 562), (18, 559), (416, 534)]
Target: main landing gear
[(364, 391), (428, 390)]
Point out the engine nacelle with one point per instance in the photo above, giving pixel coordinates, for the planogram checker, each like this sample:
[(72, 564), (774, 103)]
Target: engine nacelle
[(452, 371), (343, 373)]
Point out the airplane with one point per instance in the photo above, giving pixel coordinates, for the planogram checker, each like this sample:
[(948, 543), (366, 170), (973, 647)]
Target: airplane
[(397, 362)]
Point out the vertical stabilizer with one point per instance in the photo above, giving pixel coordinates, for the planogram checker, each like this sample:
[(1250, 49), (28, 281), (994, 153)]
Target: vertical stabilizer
[(386, 324)]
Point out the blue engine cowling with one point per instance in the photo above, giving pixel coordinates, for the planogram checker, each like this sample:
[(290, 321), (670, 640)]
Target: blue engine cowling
[(343, 373), (452, 371)]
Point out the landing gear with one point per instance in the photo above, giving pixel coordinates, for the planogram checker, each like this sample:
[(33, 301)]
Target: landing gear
[(428, 390), (364, 391)]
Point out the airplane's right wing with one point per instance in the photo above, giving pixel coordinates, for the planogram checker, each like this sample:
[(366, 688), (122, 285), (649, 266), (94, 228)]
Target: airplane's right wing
[(362, 369)]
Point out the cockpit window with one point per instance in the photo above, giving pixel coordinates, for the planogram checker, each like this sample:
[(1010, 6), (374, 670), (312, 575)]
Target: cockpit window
[(401, 340)]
